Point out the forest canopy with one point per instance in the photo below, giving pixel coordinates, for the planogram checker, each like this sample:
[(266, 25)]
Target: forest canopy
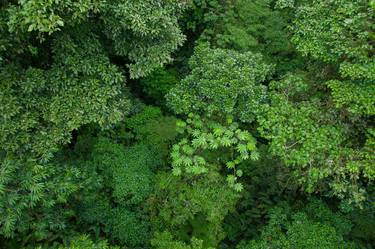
[(187, 124)]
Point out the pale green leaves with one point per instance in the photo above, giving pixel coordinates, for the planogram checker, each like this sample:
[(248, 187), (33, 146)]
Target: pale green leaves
[(203, 136), (165, 240), (281, 4), (84, 242), (49, 16), (232, 182)]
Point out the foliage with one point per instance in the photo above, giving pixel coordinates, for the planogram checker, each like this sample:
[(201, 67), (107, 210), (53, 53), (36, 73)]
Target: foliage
[(341, 32), (335, 29), (357, 97), (222, 82), (165, 240), (313, 141), (326, 145), (128, 229), (203, 136), (146, 32), (151, 127), (84, 242), (363, 225), (191, 124), (266, 182), (194, 206), (247, 26), (49, 16), (33, 201), (128, 172), (159, 83), (313, 227), (57, 74), (38, 97)]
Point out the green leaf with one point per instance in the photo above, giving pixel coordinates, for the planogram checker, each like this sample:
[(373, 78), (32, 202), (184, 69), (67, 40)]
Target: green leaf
[(176, 171), (230, 165), (238, 187)]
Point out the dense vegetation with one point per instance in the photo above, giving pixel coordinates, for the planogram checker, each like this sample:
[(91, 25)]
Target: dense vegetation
[(187, 124)]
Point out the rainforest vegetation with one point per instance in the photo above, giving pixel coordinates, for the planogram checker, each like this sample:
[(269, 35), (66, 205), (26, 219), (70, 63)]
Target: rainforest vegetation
[(187, 124)]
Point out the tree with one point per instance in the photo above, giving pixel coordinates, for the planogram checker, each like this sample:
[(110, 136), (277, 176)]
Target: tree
[(41, 109), (341, 32), (189, 124), (165, 240), (57, 74), (194, 153), (247, 26), (318, 131), (313, 227), (219, 87), (116, 206), (193, 206), (145, 32), (311, 138), (84, 242), (151, 127), (222, 82), (266, 183)]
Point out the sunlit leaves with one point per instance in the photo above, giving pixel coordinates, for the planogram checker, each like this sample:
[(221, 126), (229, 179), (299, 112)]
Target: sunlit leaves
[(165, 240), (222, 82), (84, 242), (311, 140), (341, 33), (202, 136), (357, 97), (333, 30), (199, 142), (241, 148), (49, 16)]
